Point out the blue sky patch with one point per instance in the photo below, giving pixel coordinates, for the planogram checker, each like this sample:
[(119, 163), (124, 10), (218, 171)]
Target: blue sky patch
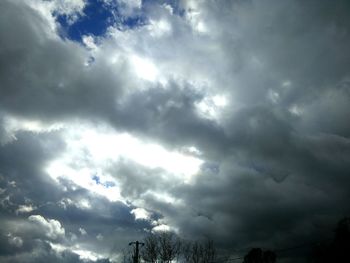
[(97, 17), (106, 184)]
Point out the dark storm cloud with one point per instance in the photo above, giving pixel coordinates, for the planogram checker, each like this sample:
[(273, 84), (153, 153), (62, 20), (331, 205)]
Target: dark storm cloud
[(159, 113), (23, 162), (283, 173)]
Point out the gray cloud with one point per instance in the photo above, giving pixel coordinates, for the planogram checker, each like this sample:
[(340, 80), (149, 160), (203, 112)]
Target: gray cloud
[(275, 158)]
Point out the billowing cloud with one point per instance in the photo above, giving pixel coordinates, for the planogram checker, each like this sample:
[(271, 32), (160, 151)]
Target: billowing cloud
[(51, 227)]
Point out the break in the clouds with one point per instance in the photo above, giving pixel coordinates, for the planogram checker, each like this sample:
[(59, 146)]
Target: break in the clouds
[(220, 119)]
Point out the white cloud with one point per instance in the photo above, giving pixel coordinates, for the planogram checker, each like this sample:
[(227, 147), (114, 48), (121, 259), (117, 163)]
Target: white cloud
[(80, 203), (140, 213), (211, 107), (126, 7), (83, 177), (89, 42), (83, 204), (65, 202), (161, 228), (159, 28), (144, 68), (25, 209), (195, 17), (71, 8), (131, 3), (51, 227), (82, 231), (84, 253), (93, 150), (12, 125)]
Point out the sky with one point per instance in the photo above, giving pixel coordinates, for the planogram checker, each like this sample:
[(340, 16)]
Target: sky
[(226, 120)]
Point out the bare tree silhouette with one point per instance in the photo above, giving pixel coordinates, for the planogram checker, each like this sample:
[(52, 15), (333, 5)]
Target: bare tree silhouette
[(150, 251), (167, 247)]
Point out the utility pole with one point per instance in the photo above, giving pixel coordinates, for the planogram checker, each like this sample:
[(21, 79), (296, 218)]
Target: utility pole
[(136, 256)]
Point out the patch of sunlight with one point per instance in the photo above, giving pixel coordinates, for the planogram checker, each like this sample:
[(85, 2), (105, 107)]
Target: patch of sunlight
[(109, 145), (12, 125), (83, 177), (15, 124), (144, 68), (220, 100), (140, 213), (211, 107), (159, 28), (91, 151), (84, 254), (161, 228)]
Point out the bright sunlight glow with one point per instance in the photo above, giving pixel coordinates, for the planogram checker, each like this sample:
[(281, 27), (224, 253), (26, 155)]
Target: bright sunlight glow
[(90, 152), (144, 68)]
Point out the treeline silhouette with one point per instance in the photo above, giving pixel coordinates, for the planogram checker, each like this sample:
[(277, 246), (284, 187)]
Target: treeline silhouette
[(338, 251), (166, 247), (257, 255)]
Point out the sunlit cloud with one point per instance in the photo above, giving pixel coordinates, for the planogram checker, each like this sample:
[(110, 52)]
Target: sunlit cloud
[(140, 213), (211, 107), (159, 28), (25, 209), (91, 151), (84, 254), (144, 68), (13, 125), (161, 228)]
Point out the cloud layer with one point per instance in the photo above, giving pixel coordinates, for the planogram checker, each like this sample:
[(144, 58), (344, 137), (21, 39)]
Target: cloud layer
[(220, 119)]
